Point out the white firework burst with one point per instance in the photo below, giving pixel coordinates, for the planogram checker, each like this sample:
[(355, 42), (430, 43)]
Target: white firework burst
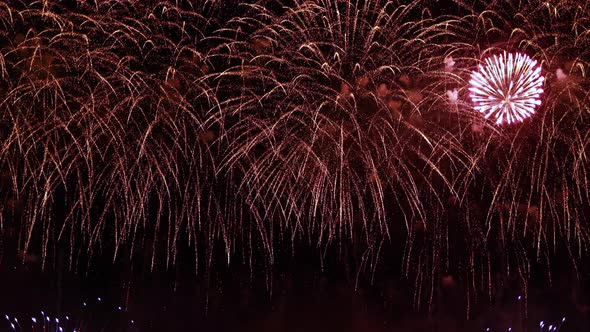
[(507, 87)]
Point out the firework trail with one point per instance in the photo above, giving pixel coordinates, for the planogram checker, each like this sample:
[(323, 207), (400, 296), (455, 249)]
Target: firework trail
[(104, 124), (333, 124)]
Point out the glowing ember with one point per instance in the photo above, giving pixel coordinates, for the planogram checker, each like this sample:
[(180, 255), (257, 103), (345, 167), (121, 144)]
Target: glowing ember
[(506, 88)]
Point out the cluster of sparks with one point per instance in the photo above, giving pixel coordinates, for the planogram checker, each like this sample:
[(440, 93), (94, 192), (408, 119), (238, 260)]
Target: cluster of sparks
[(138, 129), (544, 325), (507, 88), (66, 323)]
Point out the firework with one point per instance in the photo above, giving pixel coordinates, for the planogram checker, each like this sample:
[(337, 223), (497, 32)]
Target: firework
[(104, 123), (522, 197), (507, 88), (331, 123)]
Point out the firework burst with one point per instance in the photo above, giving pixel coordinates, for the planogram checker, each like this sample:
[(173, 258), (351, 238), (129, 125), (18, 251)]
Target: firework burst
[(507, 88), (330, 127), (104, 124)]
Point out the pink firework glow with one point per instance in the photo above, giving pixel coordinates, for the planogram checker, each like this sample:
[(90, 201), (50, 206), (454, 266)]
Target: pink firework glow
[(507, 87)]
